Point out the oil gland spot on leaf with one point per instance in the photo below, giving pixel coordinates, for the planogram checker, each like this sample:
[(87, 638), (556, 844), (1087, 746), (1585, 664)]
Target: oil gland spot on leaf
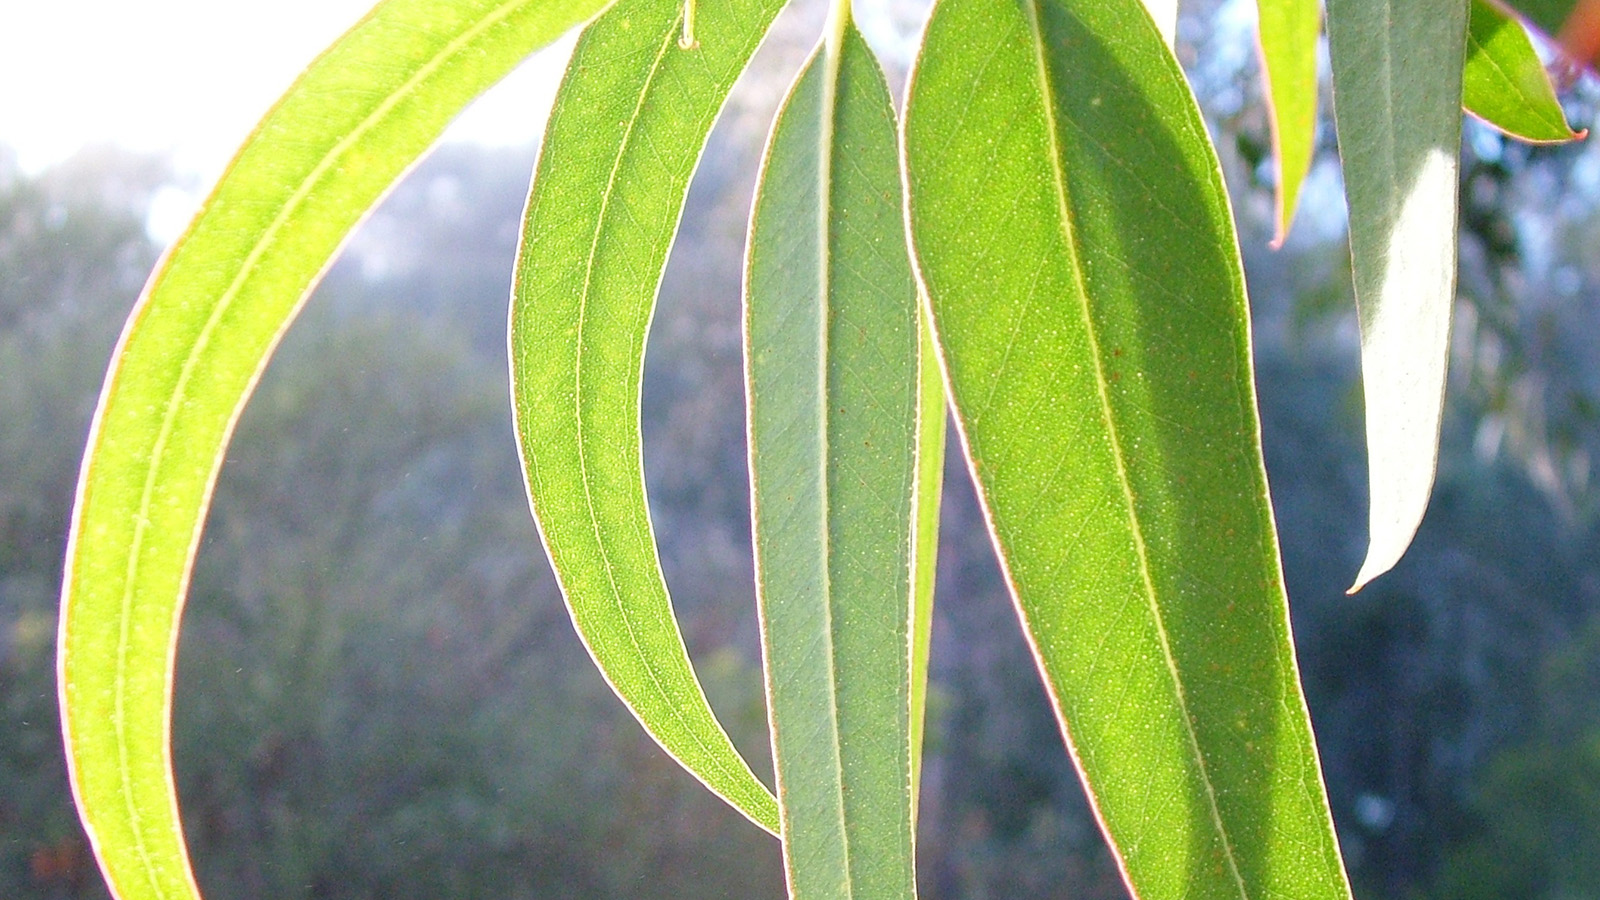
[(688, 41)]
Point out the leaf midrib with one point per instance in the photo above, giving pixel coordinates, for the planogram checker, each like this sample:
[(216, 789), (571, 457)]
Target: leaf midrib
[(1074, 263), (833, 52), (601, 221), (180, 390)]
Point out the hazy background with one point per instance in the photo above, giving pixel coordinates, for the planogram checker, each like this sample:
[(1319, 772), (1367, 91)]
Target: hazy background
[(379, 693)]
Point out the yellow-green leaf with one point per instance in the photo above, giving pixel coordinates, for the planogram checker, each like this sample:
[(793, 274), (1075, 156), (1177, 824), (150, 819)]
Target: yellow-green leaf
[(629, 124), (1288, 38), (1072, 230), (1505, 83), (191, 352)]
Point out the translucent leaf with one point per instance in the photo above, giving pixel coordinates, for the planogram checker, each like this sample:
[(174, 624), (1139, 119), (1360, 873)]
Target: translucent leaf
[(1504, 81), (1396, 101), (189, 356), (1288, 36), (629, 124), (1072, 231)]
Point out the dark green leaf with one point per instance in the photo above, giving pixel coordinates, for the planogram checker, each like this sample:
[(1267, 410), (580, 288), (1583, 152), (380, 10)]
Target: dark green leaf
[(192, 351), (1504, 81)]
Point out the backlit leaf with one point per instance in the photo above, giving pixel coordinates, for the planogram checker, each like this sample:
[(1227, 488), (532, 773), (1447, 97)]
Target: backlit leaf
[(189, 356), (1071, 228), (1504, 81), (832, 345), (1289, 30), (627, 130), (925, 548)]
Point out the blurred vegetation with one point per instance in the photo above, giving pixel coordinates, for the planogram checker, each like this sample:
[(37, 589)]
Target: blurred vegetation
[(379, 694)]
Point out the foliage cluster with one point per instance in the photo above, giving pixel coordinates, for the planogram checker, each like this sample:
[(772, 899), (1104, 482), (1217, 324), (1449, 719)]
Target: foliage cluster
[(1096, 358)]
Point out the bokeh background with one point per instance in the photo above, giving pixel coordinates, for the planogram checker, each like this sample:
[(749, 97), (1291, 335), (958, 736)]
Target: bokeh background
[(379, 695)]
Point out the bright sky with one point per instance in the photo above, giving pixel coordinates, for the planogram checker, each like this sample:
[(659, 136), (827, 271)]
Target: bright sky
[(190, 77)]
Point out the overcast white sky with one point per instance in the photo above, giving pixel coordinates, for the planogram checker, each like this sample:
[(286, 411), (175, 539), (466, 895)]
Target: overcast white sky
[(189, 77)]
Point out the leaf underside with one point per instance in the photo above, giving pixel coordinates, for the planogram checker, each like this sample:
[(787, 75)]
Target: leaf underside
[(1397, 110), (189, 356), (1071, 228), (629, 124), (832, 344)]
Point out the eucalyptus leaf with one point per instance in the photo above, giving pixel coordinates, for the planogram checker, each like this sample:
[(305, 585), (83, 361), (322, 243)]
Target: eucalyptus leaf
[(1505, 83), (188, 358), (832, 344), (1397, 109), (1289, 30), (1070, 225), (629, 124), (925, 544)]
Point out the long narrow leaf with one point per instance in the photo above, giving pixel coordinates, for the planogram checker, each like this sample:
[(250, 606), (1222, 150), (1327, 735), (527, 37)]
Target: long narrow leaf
[(1288, 32), (1072, 231), (925, 545), (1397, 110), (191, 352), (629, 124), (832, 343), (1505, 83)]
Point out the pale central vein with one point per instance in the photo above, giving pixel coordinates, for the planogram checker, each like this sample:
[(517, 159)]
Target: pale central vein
[(711, 757)]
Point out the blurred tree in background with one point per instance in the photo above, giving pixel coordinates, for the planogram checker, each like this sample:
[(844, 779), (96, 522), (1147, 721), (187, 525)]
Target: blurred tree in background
[(379, 694)]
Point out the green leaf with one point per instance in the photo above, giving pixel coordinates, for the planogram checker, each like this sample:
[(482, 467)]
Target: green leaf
[(925, 545), (629, 124), (1288, 34), (193, 349), (832, 344), (1504, 82), (1397, 110), (1071, 228)]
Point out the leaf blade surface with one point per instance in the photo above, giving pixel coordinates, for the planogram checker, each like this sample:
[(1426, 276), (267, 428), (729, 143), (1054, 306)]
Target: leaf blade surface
[(630, 121), (189, 357), (1505, 83), (1072, 231), (1288, 33)]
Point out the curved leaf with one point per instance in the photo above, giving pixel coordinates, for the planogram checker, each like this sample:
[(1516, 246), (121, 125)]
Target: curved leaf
[(831, 348), (1071, 228), (1288, 31), (1504, 82), (629, 123), (1397, 110), (190, 354)]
